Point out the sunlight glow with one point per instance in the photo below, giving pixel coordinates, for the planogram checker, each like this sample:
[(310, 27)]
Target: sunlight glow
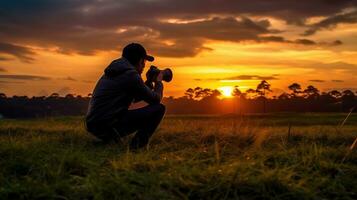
[(226, 91)]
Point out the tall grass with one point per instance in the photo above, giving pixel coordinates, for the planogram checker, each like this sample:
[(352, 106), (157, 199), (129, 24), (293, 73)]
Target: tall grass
[(277, 156)]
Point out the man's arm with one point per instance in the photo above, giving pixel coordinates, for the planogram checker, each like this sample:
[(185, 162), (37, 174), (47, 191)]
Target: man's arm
[(143, 92), (151, 87)]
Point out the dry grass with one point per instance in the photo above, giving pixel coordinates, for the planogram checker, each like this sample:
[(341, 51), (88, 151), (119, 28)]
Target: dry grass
[(189, 157)]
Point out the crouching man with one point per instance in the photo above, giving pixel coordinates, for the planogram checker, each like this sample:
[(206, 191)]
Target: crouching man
[(108, 117)]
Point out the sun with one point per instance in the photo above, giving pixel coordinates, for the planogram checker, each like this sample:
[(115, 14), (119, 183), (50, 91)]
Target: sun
[(226, 91)]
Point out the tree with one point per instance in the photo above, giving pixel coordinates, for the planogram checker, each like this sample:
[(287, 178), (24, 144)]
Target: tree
[(2, 96), (54, 95), (348, 93), (335, 94), (198, 92), (295, 88), (262, 88), (189, 94), (236, 91), (283, 96), (348, 100), (250, 92), (69, 96), (311, 92), (214, 93)]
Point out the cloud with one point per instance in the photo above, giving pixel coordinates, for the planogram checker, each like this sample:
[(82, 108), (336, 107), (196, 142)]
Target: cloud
[(242, 77), (2, 69), (4, 59), (317, 81), (68, 78), (85, 27), (87, 81), (251, 77), (24, 77), (305, 42), (338, 81), (23, 53), (6, 82), (328, 68), (332, 22)]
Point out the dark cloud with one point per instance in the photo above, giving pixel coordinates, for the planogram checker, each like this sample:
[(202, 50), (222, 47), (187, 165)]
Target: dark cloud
[(68, 78), (301, 41), (242, 77), (338, 81), (328, 68), (251, 77), (4, 58), (305, 42), (23, 53), (317, 81), (332, 22), (2, 69), (87, 81), (88, 26), (24, 77), (7, 82), (336, 43)]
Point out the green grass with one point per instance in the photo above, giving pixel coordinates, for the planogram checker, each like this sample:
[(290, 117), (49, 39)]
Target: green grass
[(189, 157)]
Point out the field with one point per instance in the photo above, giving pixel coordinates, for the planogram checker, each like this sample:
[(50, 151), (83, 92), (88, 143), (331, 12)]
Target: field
[(275, 156)]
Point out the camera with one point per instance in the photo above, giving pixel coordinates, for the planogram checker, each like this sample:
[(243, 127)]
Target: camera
[(153, 72)]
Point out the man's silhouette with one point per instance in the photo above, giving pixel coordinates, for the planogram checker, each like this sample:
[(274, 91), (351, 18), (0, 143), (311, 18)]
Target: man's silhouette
[(108, 117)]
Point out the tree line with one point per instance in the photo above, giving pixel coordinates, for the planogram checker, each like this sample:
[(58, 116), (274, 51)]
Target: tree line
[(195, 101)]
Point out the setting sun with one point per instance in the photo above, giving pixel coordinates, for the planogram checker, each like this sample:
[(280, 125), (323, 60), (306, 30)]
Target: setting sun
[(226, 91)]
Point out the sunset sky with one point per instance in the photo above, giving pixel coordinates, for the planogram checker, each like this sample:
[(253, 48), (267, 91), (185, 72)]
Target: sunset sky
[(63, 46)]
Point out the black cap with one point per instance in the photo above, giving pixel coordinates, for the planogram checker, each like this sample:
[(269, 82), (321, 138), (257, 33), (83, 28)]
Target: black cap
[(134, 52)]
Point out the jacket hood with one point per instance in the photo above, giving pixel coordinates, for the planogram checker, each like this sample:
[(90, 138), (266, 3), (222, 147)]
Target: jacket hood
[(118, 67)]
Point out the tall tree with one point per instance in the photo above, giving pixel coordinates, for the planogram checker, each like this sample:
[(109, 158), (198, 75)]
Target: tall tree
[(250, 92), (262, 89), (335, 94), (236, 91), (295, 88), (311, 92), (189, 94)]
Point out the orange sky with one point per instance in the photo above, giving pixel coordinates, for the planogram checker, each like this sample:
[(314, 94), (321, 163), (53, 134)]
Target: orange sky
[(220, 61)]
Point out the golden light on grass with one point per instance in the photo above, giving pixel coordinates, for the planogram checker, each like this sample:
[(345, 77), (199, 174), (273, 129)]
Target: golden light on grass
[(226, 91)]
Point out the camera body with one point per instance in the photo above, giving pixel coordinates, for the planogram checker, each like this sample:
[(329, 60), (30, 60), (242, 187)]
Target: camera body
[(153, 72)]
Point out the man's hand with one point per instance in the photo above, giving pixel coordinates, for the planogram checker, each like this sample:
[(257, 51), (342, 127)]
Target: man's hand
[(159, 77)]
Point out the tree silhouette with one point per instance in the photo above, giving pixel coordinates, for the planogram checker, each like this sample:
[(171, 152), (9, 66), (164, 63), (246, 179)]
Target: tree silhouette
[(54, 96), (236, 91), (295, 88), (335, 94), (69, 96), (189, 93), (284, 96), (348, 93), (196, 101), (251, 92), (311, 92), (262, 88), (2, 96)]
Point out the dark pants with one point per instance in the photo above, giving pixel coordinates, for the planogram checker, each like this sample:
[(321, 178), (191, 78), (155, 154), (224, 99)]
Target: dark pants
[(143, 121)]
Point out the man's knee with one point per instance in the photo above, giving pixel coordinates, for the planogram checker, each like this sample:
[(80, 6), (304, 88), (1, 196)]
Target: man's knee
[(161, 108), (158, 110)]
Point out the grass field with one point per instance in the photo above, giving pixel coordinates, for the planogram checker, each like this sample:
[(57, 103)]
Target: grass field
[(277, 156)]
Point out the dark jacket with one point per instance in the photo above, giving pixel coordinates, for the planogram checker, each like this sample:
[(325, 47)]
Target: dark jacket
[(116, 90)]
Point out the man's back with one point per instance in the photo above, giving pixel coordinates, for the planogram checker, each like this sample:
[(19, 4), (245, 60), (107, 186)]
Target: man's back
[(115, 91)]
